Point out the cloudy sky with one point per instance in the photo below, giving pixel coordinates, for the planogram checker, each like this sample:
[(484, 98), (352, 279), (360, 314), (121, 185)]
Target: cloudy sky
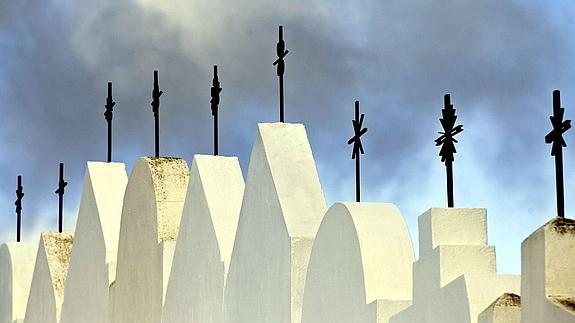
[(500, 60)]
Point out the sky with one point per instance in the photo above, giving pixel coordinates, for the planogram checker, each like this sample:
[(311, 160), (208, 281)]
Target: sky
[(500, 60)]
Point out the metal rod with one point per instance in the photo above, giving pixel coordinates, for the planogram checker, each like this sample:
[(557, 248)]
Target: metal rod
[(156, 116), (60, 193), (19, 196), (449, 171), (109, 115)]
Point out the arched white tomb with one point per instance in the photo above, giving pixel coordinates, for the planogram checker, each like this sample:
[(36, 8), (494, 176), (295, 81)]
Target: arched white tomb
[(149, 226), (361, 265)]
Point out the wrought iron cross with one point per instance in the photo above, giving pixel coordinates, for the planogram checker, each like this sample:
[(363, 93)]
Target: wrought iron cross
[(60, 191), (447, 143), (555, 137), (156, 93), (281, 51), (109, 114), (18, 203), (215, 101), (357, 146)]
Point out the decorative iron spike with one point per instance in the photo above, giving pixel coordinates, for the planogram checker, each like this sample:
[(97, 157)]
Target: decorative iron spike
[(109, 114), (18, 203), (357, 147), (156, 93), (281, 53), (60, 191), (447, 143), (555, 137), (215, 101)]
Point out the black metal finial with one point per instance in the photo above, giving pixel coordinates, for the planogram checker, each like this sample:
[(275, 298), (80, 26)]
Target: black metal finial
[(215, 101), (156, 93), (555, 137), (357, 147), (109, 115), (60, 191), (447, 143), (18, 203), (281, 52)]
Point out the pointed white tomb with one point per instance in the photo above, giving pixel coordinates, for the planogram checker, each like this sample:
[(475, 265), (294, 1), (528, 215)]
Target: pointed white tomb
[(360, 266), (205, 241), (17, 261), (149, 226), (93, 260), (49, 279), (281, 211)]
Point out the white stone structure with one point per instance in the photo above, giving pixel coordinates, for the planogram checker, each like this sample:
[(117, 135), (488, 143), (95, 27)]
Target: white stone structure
[(17, 261), (361, 265), (455, 277), (149, 226), (93, 260), (548, 271), (281, 211), (49, 278), (205, 241), (505, 309)]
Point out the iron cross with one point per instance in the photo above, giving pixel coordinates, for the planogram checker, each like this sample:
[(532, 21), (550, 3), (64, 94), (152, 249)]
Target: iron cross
[(357, 147), (60, 191), (18, 203), (447, 143), (555, 137), (109, 114), (281, 52), (215, 101), (156, 93)]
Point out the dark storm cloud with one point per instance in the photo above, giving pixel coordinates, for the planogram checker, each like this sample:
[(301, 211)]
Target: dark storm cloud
[(500, 59)]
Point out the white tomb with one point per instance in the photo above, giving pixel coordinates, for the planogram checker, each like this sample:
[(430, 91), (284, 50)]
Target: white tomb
[(548, 271), (17, 261), (361, 265), (207, 231), (149, 226), (505, 309), (455, 277), (281, 211), (93, 260), (49, 278)]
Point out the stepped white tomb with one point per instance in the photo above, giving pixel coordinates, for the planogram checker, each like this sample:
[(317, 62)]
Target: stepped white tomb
[(178, 244)]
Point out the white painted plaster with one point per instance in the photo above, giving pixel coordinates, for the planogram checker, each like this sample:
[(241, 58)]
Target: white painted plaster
[(49, 278), (455, 276), (149, 226), (281, 211), (548, 270), (17, 261), (205, 241), (95, 244), (361, 265)]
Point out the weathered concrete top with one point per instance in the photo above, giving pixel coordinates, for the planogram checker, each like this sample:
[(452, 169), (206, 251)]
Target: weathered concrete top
[(58, 248), (163, 182)]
